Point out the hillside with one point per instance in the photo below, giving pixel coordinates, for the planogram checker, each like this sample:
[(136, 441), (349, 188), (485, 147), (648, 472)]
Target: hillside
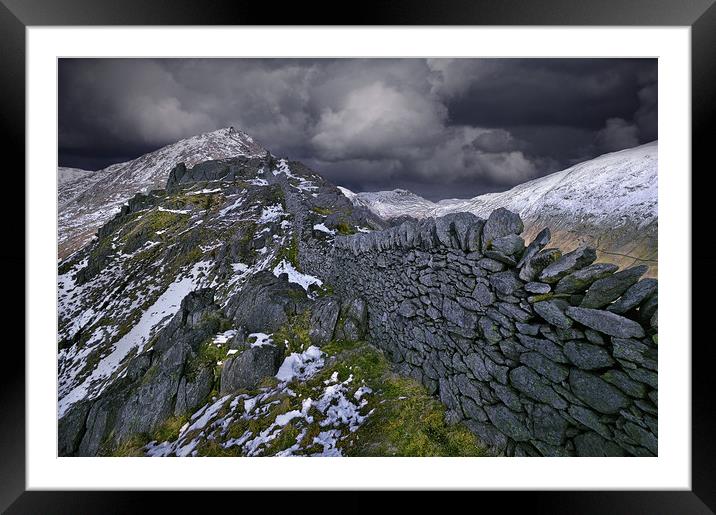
[(609, 202)]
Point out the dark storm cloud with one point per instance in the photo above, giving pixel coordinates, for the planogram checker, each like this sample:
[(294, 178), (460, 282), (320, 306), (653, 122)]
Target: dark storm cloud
[(440, 127)]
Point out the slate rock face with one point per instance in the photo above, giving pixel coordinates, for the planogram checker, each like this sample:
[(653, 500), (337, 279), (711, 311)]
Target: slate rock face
[(266, 302), (248, 368), (496, 330), (323, 320), (163, 381)]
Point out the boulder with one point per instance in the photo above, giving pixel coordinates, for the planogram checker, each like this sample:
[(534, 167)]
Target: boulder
[(248, 368)]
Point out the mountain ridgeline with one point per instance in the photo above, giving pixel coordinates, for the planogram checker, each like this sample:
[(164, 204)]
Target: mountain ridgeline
[(609, 203), (250, 308)]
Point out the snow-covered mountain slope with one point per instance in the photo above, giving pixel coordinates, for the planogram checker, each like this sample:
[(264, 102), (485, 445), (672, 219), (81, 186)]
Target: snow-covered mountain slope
[(391, 204), (609, 202), (88, 200), (71, 182)]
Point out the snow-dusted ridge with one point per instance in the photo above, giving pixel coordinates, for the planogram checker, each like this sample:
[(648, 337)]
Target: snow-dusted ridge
[(89, 199), (609, 201)]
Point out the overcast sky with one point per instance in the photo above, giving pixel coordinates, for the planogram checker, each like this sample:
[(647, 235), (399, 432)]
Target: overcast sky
[(439, 127)]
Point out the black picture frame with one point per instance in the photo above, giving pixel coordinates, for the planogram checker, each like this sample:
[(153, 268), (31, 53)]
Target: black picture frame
[(699, 15)]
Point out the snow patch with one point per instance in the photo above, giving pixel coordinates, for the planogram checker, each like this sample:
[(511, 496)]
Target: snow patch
[(294, 276)]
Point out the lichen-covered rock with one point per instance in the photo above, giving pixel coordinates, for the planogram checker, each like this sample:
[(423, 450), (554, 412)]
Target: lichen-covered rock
[(534, 266), (508, 422), (553, 312), (501, 222), (567, 264), (266, 302), (635, 351), (633, 296), (591, 444), (538, 288), (532, 385), (580, 280), (540, 241), (605, 290), (596, 392), (505, 282), (509, 245), (544, 366), (606, 322), (353, 320), (587, 356), (549, 426)]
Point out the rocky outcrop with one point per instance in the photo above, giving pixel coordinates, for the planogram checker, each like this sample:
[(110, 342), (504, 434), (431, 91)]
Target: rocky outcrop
[(170, 378), (539, 352)]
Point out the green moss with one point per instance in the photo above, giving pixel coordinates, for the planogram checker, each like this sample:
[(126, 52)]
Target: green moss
[(153, 221), (294, 334), (539, 298), (131, 447), (169, 430), (322, 210), (345, 228), (288, 253)]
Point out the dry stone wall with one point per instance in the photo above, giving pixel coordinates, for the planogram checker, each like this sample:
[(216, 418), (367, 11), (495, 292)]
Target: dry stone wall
[(540, 353)]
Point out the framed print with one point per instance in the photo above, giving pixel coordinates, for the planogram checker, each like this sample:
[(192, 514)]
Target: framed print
[(419, 252)]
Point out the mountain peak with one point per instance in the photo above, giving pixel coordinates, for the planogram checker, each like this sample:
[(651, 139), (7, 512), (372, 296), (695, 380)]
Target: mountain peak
[(88, 204)]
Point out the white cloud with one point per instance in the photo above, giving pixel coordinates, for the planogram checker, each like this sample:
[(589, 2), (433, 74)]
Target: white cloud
[(379, 120)]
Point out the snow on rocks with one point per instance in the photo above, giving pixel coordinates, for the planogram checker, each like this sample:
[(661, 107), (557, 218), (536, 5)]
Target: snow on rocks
[(151, 321), (271, 214), (261, 339), (322, 228), (301, 365), (294, 276), (329, 404)]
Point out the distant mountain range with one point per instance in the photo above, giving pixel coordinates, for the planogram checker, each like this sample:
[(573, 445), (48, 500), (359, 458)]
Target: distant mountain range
[(86, 199), (609, 202)]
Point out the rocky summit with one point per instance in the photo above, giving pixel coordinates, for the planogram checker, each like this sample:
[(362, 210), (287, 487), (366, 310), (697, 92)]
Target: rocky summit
[(249, 308)]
